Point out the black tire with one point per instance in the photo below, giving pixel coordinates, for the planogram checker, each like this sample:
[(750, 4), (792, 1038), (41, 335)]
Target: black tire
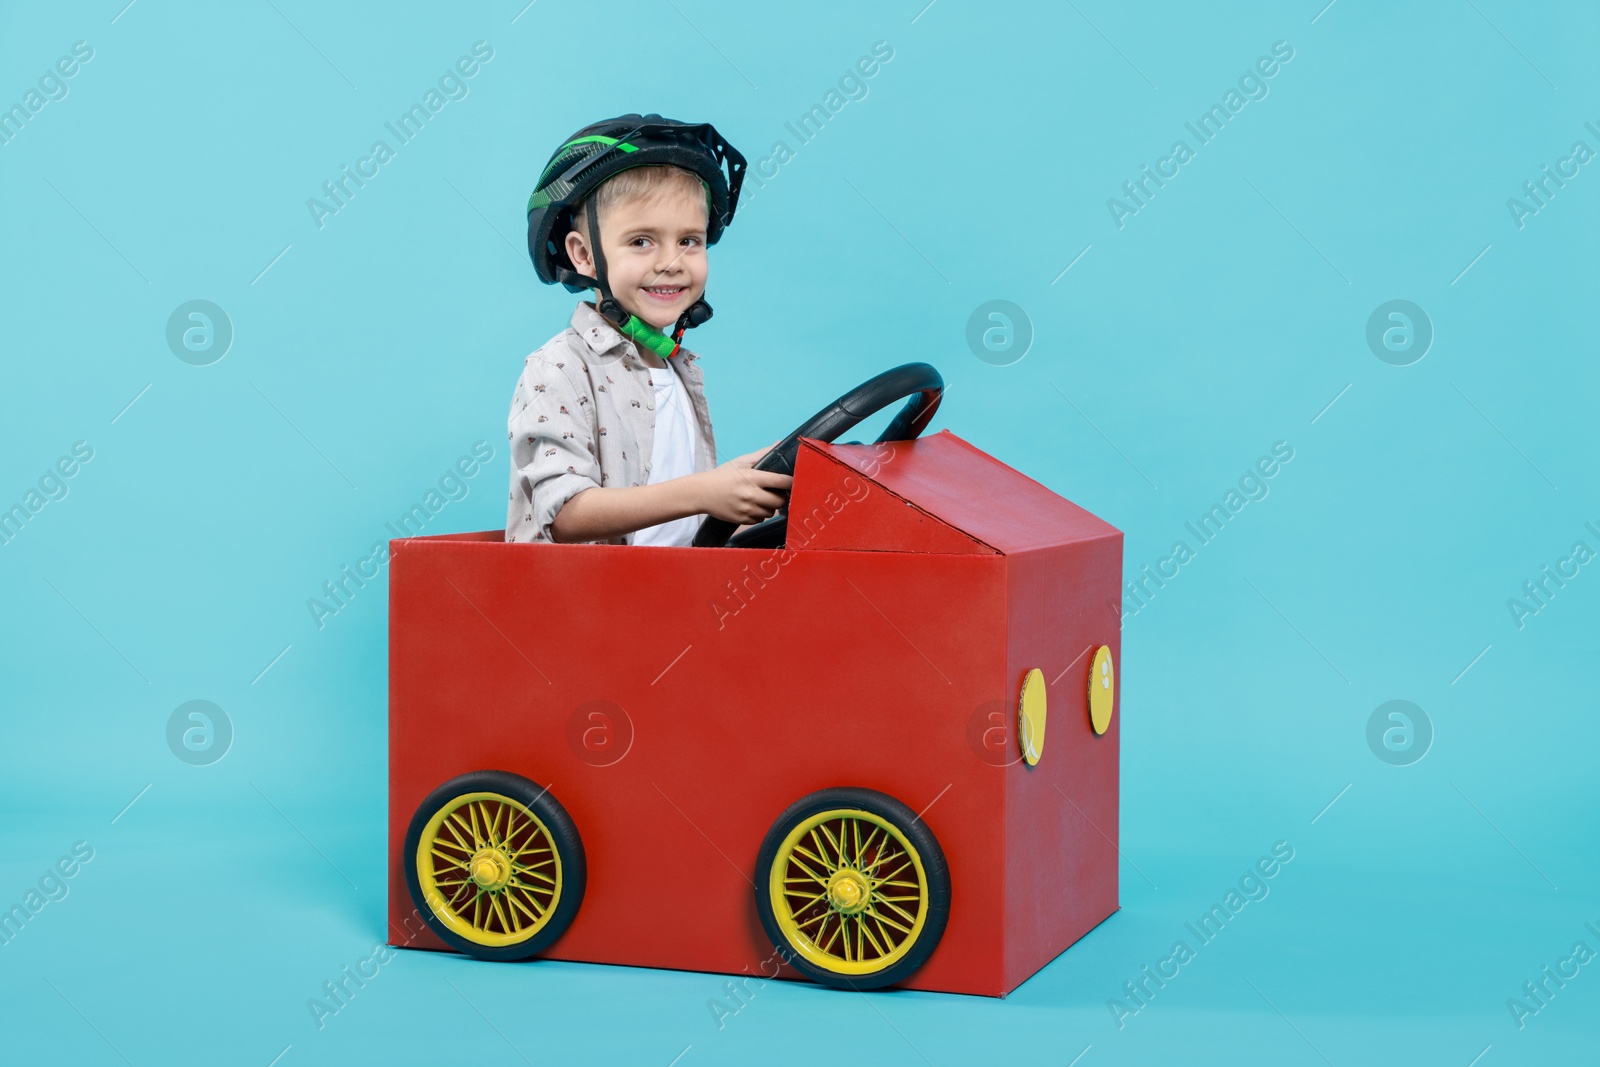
[(887, 914), (514, 940)]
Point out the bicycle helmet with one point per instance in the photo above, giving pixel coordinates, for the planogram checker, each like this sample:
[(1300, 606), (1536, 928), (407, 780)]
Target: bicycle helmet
[(600, 151)]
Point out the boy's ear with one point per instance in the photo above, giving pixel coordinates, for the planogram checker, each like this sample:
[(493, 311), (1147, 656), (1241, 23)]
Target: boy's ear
[(578, 252)]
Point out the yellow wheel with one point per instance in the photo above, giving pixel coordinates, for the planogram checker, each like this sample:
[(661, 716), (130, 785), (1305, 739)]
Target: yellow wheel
[(856, 893), (494, 865)]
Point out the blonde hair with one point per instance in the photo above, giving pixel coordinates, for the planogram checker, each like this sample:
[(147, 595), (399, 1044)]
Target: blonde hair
[(638, 183)]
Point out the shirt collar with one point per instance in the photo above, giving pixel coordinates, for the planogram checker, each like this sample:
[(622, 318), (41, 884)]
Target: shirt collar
[(605, 341)]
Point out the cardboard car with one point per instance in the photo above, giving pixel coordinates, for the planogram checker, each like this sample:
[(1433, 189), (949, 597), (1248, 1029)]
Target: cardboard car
[(883, 753)]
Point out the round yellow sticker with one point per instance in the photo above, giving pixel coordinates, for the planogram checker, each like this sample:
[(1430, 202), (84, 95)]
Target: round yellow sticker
[(1030, 716), (1102, 689)]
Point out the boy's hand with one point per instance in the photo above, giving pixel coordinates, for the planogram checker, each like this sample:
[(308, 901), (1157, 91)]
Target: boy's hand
[(735, 492)]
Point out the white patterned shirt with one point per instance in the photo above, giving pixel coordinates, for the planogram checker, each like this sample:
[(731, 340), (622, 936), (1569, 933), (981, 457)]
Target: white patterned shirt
[(583, 415)]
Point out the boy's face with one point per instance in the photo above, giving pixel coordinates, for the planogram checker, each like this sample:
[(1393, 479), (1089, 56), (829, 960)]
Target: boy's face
[(655, 254)]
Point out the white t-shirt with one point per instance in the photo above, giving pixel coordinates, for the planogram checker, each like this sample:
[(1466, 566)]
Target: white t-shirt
[(672, 454)]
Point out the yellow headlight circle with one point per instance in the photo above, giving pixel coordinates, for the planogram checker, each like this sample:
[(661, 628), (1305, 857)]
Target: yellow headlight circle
[(1102, 689), (1031, 716)]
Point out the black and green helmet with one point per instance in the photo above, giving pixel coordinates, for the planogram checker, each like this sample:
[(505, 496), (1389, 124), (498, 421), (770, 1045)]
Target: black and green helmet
[(600, 151)]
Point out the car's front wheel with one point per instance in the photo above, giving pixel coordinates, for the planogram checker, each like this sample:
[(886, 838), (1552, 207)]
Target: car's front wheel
[(853, 888)]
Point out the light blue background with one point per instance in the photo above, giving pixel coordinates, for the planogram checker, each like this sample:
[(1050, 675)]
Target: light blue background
[(1223, 317)]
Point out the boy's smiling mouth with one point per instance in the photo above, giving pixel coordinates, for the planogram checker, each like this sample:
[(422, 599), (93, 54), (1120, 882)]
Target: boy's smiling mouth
[(664, 294)]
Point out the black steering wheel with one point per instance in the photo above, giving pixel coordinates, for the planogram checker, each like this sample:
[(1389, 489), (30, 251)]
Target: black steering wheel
[(919, 381)]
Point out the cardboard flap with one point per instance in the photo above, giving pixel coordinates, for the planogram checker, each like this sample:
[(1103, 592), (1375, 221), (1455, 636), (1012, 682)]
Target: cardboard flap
[(839, 505), (935, 494)]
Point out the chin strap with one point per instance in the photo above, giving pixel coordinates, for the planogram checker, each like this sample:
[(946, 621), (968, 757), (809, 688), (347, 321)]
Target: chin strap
[(652, 338), (631, 325)]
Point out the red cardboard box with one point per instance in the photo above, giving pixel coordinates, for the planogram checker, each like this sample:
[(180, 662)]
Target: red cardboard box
[(676, 700)]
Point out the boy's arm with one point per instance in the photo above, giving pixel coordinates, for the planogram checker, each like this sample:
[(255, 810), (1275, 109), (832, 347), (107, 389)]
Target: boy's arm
[(556, 493), (598, 514), (731, 491), (552, 450)]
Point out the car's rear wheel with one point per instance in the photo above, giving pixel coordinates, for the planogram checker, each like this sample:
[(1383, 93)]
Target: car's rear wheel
[(853, 888), (494, 865)]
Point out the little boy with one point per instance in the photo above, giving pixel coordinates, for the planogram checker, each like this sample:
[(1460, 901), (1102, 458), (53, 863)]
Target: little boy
[(610, 431)]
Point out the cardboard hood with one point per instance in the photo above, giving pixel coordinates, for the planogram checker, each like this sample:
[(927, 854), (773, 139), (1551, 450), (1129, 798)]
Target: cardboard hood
[(935, 494)]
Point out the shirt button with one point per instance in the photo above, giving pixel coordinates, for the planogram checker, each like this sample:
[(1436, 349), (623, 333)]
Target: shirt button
[(651, 404)]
